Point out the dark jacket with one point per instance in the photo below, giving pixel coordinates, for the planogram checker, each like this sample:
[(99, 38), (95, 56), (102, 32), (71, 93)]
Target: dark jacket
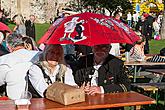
[(111, 75), (30, 29)]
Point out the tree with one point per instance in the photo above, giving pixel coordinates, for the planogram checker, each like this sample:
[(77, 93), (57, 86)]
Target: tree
[(98, 6), (110, 5)]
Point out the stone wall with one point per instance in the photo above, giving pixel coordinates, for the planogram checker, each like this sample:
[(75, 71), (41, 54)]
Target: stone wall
[(42, 9)]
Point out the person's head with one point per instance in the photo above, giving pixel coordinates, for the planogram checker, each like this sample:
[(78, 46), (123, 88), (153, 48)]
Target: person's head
[(14, 42), (53, 54), (101, 51), (29, 43), (155, 19), (141, 40), (117, 15), (32, 18), (18, 20)]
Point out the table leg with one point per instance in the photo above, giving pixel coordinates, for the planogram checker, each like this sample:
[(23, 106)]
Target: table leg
[(135, 68), (138, 107)]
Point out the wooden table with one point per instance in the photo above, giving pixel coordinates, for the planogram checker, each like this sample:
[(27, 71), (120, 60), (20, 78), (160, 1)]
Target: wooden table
[(92, 102), (95, 102), (140, 63)]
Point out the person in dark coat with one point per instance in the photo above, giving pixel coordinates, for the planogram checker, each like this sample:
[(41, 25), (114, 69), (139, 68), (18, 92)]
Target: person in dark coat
[(145, 33), (150, 20), (101, 72), (30, 27), (142, 26), (104, 72)]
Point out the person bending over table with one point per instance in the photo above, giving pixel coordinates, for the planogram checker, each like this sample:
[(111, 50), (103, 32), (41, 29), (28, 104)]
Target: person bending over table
[(14, 66), (101, 72), (47, 70)]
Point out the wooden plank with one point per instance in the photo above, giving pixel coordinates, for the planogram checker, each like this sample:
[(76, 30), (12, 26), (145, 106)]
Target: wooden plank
[(96, 102), (158, 71)]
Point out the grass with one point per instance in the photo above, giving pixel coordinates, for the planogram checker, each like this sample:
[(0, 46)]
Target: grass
[(40, 29), (155, 45)]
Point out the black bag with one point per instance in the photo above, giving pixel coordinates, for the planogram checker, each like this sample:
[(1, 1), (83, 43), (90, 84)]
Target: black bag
[(162, 52)]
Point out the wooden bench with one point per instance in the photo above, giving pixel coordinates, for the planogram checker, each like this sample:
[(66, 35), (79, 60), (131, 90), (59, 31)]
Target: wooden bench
[(146, 89), (161, 72), (158, 71), (149, 88)]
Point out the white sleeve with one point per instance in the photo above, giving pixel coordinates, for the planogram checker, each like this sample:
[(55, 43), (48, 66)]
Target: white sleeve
[(3, 71), (37, 79), (69, 79)]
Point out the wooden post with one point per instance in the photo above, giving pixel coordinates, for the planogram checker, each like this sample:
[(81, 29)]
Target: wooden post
[(162, 33), (19, 6)]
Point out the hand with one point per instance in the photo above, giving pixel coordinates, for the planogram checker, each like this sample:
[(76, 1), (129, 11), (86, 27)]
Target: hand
[(85, 86), (93, 90)]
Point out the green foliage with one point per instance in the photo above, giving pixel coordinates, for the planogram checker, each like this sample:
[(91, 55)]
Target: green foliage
[(111, 5)]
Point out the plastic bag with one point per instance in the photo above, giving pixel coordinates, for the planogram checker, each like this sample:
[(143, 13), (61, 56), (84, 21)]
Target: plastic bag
[(157, 37)]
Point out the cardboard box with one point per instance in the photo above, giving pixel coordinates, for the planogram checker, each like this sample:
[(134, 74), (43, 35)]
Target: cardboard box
[(65, 94)]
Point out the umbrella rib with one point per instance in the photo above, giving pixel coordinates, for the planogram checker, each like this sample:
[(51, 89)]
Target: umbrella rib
[(55, 28)]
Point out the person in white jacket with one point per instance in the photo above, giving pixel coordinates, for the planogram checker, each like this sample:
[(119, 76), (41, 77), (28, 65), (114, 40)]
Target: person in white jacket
[(14, 66)]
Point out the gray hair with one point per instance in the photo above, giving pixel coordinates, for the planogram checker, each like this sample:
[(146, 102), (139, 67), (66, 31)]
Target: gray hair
[(15, 40)]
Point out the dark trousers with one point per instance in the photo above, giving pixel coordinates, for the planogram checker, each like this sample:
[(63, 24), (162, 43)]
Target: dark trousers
[(146, 46)]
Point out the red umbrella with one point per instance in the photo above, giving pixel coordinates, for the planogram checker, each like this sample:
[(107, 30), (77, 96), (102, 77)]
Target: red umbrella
[(91, 29), (4, 27)]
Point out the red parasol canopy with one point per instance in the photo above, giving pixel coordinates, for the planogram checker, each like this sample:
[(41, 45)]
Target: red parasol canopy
[(91, 29)]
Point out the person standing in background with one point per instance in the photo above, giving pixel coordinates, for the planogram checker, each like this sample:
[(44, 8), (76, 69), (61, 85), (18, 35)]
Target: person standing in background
[(129, 19), (150, 20), (20, 26), (135, 19), (156, 26), (30, 27)]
